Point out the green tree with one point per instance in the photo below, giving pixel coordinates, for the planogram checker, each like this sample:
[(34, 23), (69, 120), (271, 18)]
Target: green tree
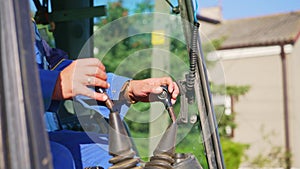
[(144, 6), (126, 46), (233, 151), (273, 156), (227, 120), (130, 45)]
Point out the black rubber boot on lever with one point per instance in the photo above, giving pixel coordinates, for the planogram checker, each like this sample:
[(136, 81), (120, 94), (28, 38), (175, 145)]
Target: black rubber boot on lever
[(120, 146), (163, 155)]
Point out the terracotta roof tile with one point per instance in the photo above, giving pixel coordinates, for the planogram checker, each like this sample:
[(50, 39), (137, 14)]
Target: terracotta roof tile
[(258, 31)]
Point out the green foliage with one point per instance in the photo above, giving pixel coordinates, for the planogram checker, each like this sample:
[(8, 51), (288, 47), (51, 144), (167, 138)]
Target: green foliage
[(275, 156), (142, 147), (237, 91), (119, 52), (129, 46), (233, 153), (115, 11), (230, 90), (234, 92), (144, 6), (190, 144), (209, 48), (225, 121), (180, 49), (218, 42), (125, 47), (217, 89), (138, 124)]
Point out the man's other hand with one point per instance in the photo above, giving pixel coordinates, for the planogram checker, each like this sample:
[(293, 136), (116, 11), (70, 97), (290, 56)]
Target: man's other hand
[(78, 76)]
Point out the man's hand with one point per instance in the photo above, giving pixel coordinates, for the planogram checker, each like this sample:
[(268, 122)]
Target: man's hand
[(144, 90), (75, 79)]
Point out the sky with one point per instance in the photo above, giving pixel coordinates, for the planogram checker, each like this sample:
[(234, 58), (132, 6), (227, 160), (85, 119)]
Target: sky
[(235, 9)]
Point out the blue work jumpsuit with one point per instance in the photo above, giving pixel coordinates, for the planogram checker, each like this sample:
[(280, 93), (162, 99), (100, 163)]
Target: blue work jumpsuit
[(71, 149)]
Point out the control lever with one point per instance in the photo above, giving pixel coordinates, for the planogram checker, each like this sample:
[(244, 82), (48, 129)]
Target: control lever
[(163, 155), (120, 146), (109, 104), (165, 98)]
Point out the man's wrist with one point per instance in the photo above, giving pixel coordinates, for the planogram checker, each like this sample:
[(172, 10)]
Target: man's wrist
[(127, 93)]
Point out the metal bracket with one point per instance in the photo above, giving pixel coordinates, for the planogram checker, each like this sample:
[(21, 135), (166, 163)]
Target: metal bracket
[(75, 14), (183, 115)]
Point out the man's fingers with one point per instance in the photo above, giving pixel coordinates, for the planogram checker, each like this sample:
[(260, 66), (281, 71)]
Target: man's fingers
[(93, 81), (167, 81), (95, 71), (91, 71), (91, 62), (173, 101), (175, 91), (92, 94), (100, 96), (155, 90), (95, 62), (100, 83)]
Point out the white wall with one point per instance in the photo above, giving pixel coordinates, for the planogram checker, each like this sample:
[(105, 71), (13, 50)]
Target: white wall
[(294, 99), (259, 118)]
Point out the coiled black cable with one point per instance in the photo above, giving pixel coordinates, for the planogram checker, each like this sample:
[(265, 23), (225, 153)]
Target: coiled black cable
[(190, 79)]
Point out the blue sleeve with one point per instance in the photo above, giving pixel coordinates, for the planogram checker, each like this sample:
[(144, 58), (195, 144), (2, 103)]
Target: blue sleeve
[(54, 56), (50, 62), (113, 92), (116, 83), (48, 80), (56, 61)]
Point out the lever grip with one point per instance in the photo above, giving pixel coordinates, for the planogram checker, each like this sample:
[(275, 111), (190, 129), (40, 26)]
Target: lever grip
[(109, 104), (165, 98)]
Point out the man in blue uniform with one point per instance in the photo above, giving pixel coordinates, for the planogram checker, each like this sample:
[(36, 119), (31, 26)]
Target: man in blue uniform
[(66, 79)]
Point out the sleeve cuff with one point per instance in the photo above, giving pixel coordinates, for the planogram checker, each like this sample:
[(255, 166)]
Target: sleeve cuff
[(116, 83), (62, 64)]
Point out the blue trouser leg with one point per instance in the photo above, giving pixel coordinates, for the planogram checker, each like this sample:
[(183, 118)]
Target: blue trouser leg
[(61, 156), (87, 149)]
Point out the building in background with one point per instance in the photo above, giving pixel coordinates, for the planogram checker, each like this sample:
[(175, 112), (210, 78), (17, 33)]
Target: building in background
[(263, 52)]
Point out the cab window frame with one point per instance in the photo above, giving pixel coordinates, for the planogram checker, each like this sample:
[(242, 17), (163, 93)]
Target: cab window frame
[(23, 138)]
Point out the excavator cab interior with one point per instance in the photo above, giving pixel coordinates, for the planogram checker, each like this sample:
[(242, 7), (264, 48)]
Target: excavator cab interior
[(136, 39)]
